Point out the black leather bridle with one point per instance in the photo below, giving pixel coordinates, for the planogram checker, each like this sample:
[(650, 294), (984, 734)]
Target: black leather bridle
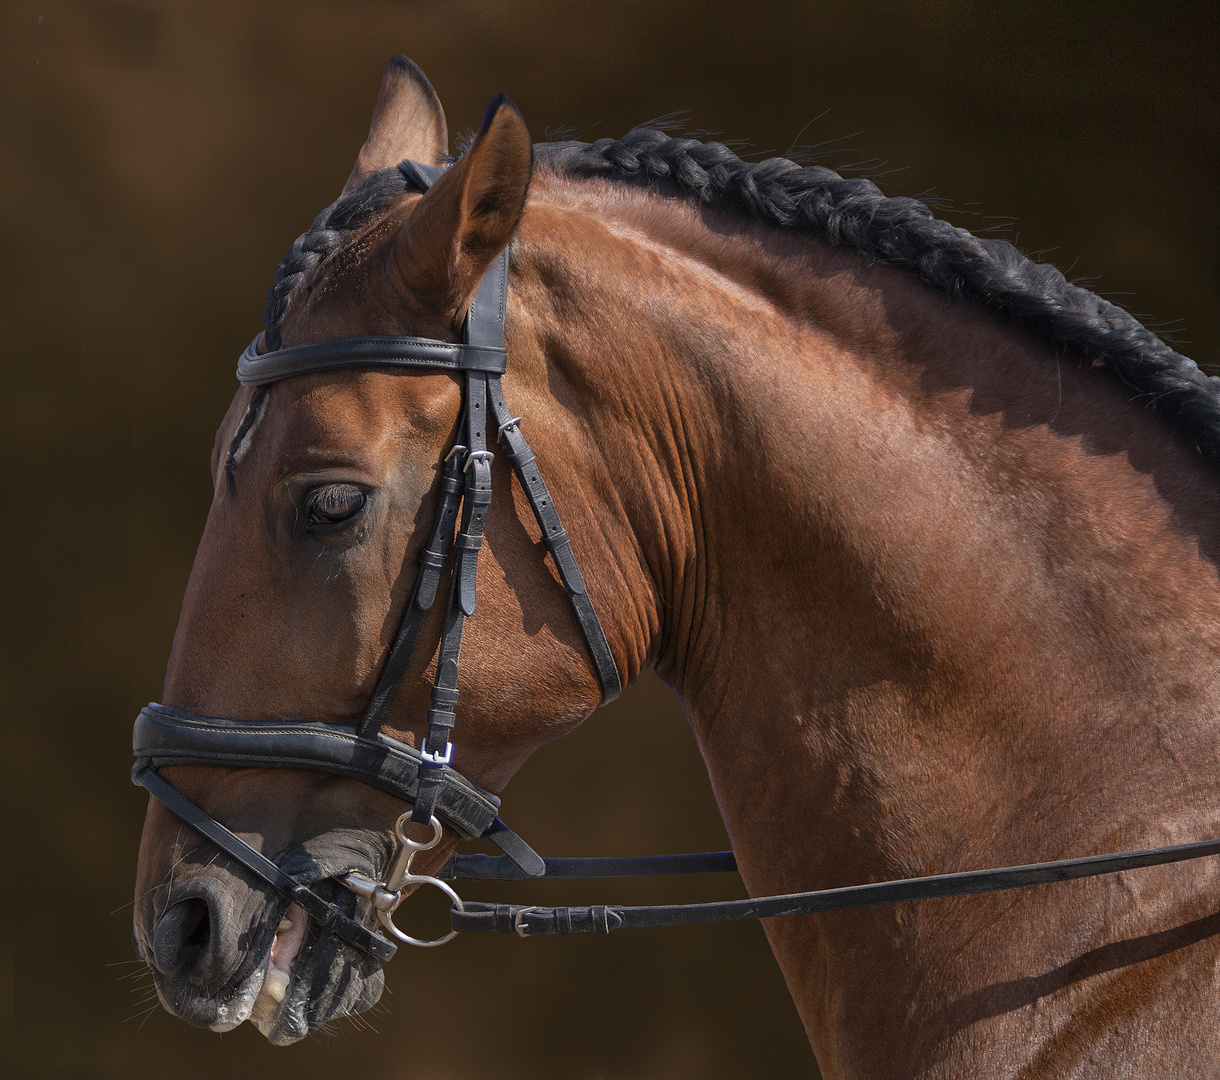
[(425, 777)]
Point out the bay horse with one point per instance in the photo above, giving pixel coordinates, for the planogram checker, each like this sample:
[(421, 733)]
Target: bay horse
[(924, 538)]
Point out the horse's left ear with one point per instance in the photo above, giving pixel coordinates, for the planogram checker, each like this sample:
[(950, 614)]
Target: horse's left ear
[(408, 122), (468, 216)]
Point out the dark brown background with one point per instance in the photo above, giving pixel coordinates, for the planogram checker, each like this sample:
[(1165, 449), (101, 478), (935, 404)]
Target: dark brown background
[(158, 158)]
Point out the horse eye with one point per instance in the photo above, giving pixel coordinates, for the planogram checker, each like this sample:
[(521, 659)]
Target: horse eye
[(334, 503)]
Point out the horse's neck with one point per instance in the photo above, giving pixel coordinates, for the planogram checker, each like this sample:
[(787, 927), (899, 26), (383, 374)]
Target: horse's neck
[(934, 599)]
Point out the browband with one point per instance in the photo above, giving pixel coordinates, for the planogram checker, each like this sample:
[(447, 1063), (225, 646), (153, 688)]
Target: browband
[(375, 351)]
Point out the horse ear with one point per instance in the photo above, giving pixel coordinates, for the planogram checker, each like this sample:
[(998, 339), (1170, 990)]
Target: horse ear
[(408, 122), (469, 215)]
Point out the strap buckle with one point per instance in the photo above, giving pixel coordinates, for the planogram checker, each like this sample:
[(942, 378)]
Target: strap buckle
[(519, 925), (436, 757), (512, 421), (475, 456)]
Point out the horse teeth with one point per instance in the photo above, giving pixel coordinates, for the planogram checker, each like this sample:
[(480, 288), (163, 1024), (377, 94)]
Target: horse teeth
[(285, 925), (276, 984)]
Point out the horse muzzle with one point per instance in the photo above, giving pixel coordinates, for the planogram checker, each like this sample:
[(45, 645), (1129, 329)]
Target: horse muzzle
[(225, 950)]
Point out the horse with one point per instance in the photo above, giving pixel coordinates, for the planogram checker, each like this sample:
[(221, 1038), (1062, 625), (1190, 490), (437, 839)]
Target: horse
[(923, 536)]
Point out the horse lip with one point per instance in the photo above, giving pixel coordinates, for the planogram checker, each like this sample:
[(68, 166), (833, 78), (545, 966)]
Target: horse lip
[(285, 947), (283, 1022), (323, 965), (239, 1008)]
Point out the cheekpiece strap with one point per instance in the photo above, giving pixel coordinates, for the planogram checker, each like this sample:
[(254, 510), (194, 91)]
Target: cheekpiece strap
[(432, 561), (483, 328)]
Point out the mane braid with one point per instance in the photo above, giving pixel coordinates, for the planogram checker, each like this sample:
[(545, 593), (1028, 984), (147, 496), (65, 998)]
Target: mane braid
[(254, 413), (850, 214), (330, 230)]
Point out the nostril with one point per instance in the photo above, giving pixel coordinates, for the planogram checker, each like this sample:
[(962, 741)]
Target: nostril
[(184, 932)]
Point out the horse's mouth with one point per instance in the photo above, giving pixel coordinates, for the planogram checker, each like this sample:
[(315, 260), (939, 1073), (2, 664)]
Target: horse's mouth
[(302, 979), (268, 997), (275, 1011)]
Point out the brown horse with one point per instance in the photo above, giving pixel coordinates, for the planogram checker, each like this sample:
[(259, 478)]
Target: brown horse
[(924, 538)]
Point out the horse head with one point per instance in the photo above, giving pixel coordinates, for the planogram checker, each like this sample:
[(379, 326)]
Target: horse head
[(324, 487)]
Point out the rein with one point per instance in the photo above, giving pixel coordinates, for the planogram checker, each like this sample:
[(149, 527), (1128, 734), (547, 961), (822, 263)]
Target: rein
[(425, 777)]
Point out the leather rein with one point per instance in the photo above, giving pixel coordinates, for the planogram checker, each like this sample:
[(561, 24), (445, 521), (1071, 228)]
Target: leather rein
[(425, 777)]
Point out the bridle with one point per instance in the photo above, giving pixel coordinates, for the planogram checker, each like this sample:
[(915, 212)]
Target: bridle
[(425, 777)]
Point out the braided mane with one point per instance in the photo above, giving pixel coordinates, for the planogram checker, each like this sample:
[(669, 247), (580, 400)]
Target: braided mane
[(328, 233), (853, 215)]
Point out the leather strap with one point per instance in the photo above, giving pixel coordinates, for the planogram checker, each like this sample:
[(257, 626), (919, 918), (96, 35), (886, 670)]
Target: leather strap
[(421, 175), (530, 921), (166, 736), (441, 716), (423, 593), (498, 868), (519, 853), (483, 328), (524, 464), (487, 316), (322, 911), (373, 351)]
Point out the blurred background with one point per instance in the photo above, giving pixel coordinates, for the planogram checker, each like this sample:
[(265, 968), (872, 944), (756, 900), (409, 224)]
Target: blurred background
[(156, 160)]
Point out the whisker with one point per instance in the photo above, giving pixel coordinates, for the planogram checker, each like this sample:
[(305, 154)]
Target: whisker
[(147, 1015)]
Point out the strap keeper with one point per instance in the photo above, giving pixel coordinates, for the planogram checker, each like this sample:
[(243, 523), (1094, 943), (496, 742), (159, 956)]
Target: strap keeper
[(439, 721), (520, 458)]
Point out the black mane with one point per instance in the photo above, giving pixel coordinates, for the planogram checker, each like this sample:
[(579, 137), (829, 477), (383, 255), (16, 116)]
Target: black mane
[(853, 215)]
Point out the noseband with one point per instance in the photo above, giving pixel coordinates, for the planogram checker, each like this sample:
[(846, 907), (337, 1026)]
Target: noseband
[(425, 777)]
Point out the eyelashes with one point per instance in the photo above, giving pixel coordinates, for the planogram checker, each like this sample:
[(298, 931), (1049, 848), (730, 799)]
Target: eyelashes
[(334, 504)]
